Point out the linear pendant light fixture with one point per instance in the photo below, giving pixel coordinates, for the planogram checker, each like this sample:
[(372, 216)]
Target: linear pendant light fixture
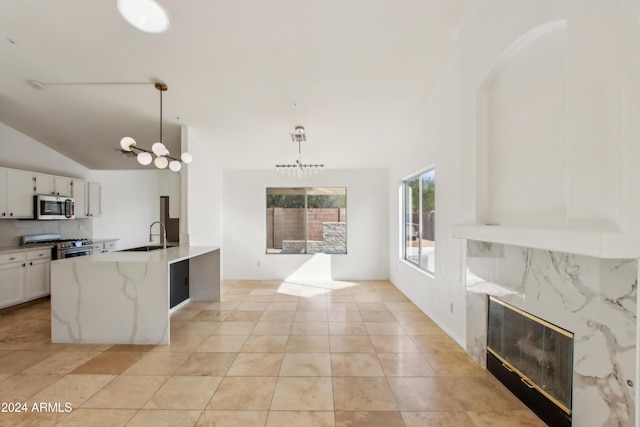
[(128, 144), (296, 166)]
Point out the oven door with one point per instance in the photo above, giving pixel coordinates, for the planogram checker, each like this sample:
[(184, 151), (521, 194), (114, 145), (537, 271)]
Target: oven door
[(74, 252)]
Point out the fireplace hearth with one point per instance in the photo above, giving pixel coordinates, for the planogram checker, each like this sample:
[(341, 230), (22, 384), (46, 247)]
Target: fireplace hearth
[(533, 358)]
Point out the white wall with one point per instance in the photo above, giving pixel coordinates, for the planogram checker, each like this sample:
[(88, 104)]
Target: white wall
[(434, 142), (244, 243), (201, 194), (130, 203)]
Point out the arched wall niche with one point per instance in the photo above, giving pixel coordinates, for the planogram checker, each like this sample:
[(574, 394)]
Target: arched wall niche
[(522, 143)]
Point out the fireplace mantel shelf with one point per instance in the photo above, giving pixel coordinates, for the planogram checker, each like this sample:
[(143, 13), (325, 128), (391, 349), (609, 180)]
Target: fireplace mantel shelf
[(597, 243)]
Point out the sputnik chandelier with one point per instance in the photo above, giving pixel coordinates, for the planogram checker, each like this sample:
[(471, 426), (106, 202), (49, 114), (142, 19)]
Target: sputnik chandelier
[(144, 157), (296, 166)]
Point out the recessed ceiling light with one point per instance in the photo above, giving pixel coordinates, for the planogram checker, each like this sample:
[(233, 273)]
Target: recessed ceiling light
[(145, 15)]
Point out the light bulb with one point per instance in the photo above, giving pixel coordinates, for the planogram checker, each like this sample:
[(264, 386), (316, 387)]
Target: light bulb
[(161, 162), (127, 142), (158, 149), (175, 165), (186, 157), (144, 158)]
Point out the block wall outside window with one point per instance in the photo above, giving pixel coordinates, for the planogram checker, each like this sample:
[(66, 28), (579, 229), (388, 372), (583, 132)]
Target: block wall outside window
[(306, 220)]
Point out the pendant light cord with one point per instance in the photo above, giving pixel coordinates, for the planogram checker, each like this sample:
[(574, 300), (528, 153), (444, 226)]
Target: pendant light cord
[(161, 116)]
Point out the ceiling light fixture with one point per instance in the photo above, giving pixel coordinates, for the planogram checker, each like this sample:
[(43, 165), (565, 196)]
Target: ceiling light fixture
[(297, 166), (163, 159), (146, 15)]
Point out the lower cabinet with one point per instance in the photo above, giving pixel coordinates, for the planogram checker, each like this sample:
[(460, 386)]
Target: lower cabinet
[(24, 276), (38, 279), (110, 245), (11, 283), (104, 246), (178, 282)]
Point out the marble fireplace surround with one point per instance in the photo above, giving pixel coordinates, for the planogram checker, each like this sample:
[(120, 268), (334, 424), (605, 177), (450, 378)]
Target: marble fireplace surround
[(594, 298)]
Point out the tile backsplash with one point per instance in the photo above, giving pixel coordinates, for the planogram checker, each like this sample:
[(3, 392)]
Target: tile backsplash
[(12, 229)]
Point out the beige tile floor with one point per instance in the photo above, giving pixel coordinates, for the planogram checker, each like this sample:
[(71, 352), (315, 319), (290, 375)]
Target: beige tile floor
[(269, 354)]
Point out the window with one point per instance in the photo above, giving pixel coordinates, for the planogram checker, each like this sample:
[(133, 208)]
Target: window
[(307, 220), (419, 220)]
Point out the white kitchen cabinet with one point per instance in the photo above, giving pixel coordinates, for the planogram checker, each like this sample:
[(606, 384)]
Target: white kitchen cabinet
[(12, 277), (3, 192), (20, 190), (44, 183), (53, 185), (80, 198), (94, 199), (62, 186), (24, 276), (17, 188), (37, 281), (110, 246), (101, 246)]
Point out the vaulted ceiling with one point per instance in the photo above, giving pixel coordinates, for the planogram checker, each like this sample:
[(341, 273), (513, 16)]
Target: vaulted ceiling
[(242, 73)]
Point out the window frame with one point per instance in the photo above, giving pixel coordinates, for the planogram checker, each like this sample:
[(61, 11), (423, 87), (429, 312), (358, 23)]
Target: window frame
[(305, 220), (405, 223)]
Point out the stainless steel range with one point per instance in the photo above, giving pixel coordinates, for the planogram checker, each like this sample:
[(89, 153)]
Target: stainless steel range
[(62, 248)]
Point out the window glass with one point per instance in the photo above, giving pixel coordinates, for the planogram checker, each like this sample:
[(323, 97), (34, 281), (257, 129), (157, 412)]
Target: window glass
[(419, 220), (307, 220)]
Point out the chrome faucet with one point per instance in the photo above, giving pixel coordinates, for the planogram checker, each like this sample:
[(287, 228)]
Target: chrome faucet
[(163, 236)]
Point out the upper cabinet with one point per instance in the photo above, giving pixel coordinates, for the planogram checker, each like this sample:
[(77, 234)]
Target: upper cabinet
[(62, 186), (94, 199), (43, 183), (17, 188), (54, 185), (18, 192), (80, 198), (88, 198)]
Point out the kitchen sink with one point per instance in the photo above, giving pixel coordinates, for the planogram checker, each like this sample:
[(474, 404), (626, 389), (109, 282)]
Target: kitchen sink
[(145, 248)]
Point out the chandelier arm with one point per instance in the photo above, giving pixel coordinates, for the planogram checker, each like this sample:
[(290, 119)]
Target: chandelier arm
[(136, 148)]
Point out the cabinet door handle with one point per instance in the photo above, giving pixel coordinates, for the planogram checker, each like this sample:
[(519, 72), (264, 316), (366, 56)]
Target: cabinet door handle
[(30, 262), (11, 214), (24, 265), (507, 368), (527, 383), (4, 214), (12, 258)]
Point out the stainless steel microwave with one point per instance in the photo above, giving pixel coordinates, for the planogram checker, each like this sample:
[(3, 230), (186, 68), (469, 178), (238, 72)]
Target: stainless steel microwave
[(53, 207)]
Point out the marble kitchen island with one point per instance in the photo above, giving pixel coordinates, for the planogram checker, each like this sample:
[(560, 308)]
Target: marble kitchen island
[(123, 297)]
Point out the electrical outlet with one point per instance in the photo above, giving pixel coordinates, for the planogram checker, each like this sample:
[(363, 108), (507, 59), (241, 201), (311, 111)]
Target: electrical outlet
[(258, 263), (451, 308)]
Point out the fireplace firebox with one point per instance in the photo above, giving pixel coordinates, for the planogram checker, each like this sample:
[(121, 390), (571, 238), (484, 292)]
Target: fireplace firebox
[(533, 358)]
